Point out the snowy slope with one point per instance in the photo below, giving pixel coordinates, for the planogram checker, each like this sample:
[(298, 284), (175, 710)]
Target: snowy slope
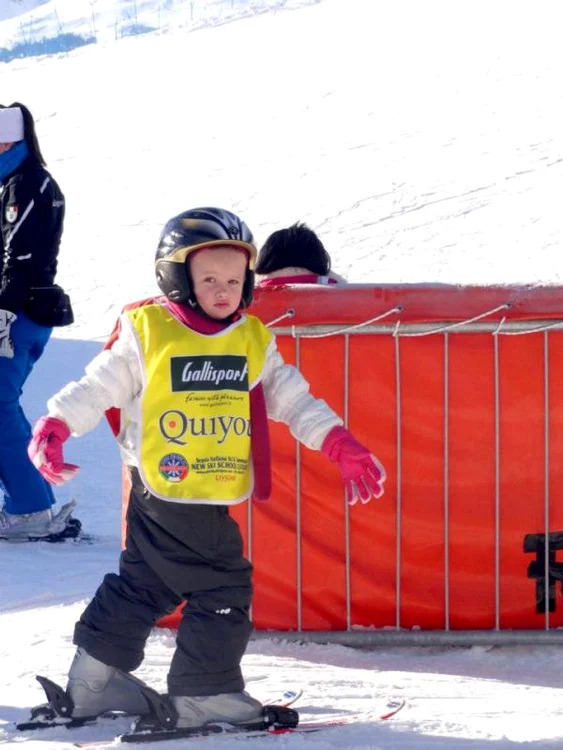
[(108, 20), (14, 8), (415, 157), (424, 142)]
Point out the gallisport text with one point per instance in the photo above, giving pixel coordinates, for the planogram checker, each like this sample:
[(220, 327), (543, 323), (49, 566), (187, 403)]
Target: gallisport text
[(211, 374)]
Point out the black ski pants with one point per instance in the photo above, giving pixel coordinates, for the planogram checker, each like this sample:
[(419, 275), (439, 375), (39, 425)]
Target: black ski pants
[(175, 552)]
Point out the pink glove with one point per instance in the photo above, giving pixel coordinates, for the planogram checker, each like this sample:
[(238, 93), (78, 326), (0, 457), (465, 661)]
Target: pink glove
[(46, 450), (361, 472)]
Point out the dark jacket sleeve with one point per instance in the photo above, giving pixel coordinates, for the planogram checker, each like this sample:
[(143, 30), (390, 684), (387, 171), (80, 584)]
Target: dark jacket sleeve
[(32, 221)]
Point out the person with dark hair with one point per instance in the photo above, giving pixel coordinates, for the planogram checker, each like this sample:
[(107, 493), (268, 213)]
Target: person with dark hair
[(294, 255), (196, 380), (32, 209)]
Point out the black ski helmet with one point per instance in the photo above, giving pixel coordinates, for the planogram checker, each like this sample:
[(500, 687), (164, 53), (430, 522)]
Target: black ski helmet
[(193, 230)]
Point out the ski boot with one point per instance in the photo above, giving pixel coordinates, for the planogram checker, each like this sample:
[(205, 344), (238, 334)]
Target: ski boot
[(41, 526), (94, 689), (178, 716), (233, 708)]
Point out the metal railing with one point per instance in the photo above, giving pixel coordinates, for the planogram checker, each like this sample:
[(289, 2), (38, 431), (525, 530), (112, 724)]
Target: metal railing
[(397, 635)]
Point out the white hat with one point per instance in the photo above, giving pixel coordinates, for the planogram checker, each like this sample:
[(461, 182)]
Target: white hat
[(11, 125)]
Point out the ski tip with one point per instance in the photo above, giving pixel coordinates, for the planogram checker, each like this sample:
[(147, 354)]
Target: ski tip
[(286, 699), (292, 694), (394, 705)]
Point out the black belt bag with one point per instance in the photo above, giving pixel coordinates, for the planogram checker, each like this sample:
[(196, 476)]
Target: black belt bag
[(49, 306)]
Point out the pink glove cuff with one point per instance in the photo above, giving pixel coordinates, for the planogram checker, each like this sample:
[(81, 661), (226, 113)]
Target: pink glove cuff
[(47, 426), (333, 443)]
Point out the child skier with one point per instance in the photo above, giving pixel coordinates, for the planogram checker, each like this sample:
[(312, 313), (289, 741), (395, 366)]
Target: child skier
[(195, 380)]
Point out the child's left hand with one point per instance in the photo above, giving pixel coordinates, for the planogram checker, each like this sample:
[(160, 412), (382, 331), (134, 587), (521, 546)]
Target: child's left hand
[(362, 474)]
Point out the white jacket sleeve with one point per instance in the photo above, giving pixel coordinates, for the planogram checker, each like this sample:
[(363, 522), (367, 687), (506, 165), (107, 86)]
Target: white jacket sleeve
[(113, 378), (288, 400)]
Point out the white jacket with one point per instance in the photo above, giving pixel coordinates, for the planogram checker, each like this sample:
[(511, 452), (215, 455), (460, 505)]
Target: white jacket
[(114, 379)]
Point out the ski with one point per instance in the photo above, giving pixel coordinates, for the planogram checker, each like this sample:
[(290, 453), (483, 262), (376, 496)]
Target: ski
[(383, 713), (148, 729), (52, 714), (378, 713)]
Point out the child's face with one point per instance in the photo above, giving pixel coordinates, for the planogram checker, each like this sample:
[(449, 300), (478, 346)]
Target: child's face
[(218, 277)]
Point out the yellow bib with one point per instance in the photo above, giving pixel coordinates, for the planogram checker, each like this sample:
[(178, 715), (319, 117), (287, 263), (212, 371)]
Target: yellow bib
[(195, 407)]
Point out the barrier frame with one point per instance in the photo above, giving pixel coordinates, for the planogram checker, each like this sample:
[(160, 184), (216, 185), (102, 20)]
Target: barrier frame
[(422, 311)]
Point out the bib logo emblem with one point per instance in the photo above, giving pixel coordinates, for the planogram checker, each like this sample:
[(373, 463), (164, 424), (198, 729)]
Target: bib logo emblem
[(173, 467)]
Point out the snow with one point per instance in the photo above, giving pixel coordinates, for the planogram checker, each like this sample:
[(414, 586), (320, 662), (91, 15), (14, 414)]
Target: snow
[(109, 20), (423, 141), (14, 8)]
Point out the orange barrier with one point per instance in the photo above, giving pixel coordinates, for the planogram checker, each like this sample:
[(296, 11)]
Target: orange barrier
[(458, 391)]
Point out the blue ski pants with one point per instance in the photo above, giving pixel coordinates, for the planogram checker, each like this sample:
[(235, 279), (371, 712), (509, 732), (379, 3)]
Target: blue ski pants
[(25, 489)]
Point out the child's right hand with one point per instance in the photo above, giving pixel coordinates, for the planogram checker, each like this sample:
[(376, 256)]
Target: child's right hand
[(46, 450)]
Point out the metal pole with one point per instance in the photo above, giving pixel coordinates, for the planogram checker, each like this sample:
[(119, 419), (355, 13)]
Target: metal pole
[(446, 483), (298, 509), (546, 470), (418, 329), (391, 637), (497, 481), (399, 487), (346, 508)]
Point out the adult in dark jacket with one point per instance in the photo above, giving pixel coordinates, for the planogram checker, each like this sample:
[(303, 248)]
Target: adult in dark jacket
[(32, 209)]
